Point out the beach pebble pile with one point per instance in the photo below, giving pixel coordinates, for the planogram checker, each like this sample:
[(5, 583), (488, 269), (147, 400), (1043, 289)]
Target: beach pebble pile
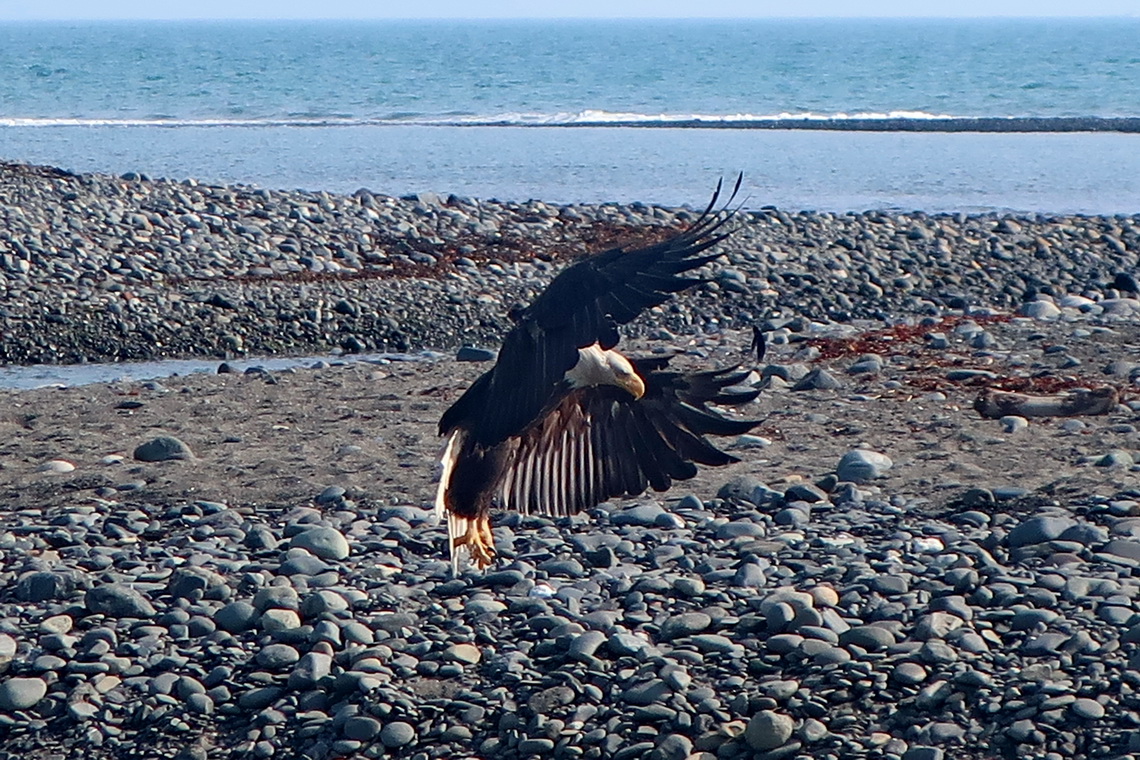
[(837, 615), (96, 267), (868, 626)]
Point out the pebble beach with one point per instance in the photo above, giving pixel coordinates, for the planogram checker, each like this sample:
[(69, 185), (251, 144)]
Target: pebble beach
[(245, 564)]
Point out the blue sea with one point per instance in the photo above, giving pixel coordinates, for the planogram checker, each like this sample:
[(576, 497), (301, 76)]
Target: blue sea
[(841, 115)]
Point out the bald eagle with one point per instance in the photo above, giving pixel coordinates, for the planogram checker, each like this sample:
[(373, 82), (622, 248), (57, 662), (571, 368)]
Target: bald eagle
[(563, 421)]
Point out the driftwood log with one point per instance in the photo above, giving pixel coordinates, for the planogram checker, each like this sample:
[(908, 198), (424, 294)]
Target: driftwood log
[(1079, 402)]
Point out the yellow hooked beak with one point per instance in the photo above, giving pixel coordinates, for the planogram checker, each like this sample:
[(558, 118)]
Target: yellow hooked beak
[(634, 384)]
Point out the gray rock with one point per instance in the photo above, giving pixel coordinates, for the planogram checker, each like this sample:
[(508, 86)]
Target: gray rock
[(643, 515), (817, 380), (585, 645), (919, 752), (326, 543), (909, 673), (685, 624), (471, 354), (768, 730), (1116, 458), (236, 617), (861, 466), (362, 728), (161, 449), (646, 693), (323, 602), (397, 734), (1087, 709), (118, 600), (872, 638), (277, 657), (21, 693), (1013, 424), (1044, 310), (310, 669), (1038, 529), (674, 747), (49, 585)]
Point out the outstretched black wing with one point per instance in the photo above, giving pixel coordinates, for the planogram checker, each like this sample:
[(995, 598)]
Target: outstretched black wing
[(600, 443), (581, 306)]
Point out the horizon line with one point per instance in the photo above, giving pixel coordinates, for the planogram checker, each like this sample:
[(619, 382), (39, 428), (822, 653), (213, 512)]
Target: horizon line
[(778, 17)]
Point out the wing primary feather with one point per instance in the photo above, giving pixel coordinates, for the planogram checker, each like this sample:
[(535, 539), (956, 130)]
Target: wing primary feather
[(559, 466)]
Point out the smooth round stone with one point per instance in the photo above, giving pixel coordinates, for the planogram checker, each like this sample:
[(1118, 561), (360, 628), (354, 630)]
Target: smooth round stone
[(830, 655), (1087, 709), (45, 585), (323, 542), (585, 645), (1116, 458), (909, 673), (641, 515), (813, 730), (260, 697), (358, 633), (201, 704), (322, 602), (872, 638), (362, 728), (541, 747), (311, 668), (817, 379), (1011, 423), (689, 586), (236, 617), (55, 624), (161, 449), (824, 596), (472, 354), (484, 607), (468, 654), (768, 730), (749, 575), (738, 529), (674, 747), (862, 465), (1039, 529), (1041, 310), (283, 597), (56, 466), (119, 600), (277, 656), (685, 624), (784, 643), (331, 495), (277, 620), (714, 642), (924, 753), (22, 693), (397, 734)]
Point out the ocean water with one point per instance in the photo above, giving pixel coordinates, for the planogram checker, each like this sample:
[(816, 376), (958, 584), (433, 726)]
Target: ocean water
[(1027, 115)]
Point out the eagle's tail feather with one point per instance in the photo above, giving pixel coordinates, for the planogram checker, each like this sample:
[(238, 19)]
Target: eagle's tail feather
[(467, 538)]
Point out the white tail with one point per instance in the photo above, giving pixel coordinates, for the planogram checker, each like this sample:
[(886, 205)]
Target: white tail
[(456, 526)]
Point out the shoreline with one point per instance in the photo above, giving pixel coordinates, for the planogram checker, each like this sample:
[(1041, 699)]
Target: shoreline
[(102, 268)]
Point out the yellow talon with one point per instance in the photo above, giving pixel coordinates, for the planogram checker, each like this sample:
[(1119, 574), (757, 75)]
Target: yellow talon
[(480, 542)]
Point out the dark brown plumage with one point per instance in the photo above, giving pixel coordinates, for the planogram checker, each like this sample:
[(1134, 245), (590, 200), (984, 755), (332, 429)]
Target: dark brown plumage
[(562, 421)]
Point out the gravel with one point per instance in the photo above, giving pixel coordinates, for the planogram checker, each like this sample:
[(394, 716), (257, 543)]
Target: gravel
[(916, 600)]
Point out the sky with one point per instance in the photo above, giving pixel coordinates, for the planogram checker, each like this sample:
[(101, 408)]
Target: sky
[(375, 9)]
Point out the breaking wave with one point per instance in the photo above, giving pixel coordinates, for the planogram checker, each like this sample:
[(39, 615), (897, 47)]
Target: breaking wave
[(892, 121)]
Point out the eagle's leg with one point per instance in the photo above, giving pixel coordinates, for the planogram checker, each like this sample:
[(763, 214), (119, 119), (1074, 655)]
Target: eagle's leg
[(479, 541)]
